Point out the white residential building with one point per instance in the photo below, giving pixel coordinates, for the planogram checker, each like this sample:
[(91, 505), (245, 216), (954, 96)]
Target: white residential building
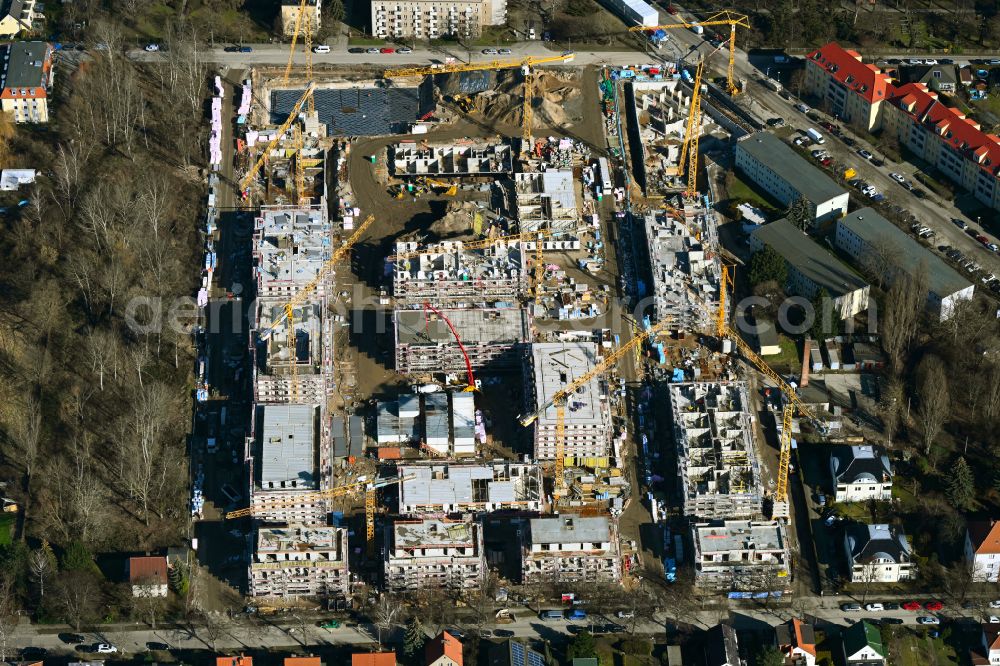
[(300, 561), (433, 19), (982, 550), (784, 174), (860, 473), (878, 554), (434, 553)]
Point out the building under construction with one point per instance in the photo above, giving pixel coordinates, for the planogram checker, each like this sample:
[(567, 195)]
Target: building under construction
[(493, 338), (477, 158), (445, 488), (286, 464), (293, 356), (587, 415), (432, 553), (717, 463), (685, 267), (298, 561), (444, 424), (447, 274), (571, 549), (547, 200)]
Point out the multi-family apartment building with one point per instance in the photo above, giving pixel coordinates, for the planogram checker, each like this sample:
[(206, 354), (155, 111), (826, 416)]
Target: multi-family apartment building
[(432, 19), (882, 248), (311, 12), (878, 554), (490, 337), (849, 88), (587, 415), (447, 488), (812, 267), (434, 553), (982, 550), (860, 473), (571, 548), (297, 561), (447, 273), (861, 94), (787, 176), (26, 81), (741, 555)]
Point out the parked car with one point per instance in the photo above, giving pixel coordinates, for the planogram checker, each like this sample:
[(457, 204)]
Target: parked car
[(911, 605), (850, 608), (576, 614), (775, 122), (246, 49), (891, 605), (995, 603), (898, 177), (928, 619), (918, 193), (71, 639), (372, 49), (232, 49), (504, 51), (890, 620), (33, 652), (489, 51), (802, 108), (155, 645), (404, 49), (355, 49), (152, 48), (321, 48), (874, 608), (503, 633), (625, 615), (329, 624), (105, 648), (387, 49), (827, 125), (865, 154), (933, 605)]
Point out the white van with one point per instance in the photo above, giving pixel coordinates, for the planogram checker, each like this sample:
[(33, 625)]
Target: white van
[(321, 48)]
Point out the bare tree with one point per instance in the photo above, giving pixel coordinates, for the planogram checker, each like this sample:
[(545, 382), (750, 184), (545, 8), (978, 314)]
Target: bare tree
[(147, 604), (143, 459), (386, 612), (935, 402), (41, 566), (904, 303), (29, 435), (8, 612), (891, 408), (77, 593)]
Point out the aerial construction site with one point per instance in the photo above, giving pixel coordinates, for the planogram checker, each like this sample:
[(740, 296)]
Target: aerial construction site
[(443, 345)]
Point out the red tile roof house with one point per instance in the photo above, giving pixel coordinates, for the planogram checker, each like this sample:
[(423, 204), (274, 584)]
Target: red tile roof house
[(148, 576), (851, 90), (987, 653), (797, 641), (374, 659), (944, 137), (982, 550), (443, 650)]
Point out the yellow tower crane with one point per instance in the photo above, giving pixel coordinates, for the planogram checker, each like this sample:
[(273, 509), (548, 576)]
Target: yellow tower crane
[(692, 135), (303, 293), (292, 115), (725, 17), (560, 397)]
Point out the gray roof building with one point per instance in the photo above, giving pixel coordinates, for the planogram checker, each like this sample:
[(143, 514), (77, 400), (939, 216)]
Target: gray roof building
[(577, 529), (862, 232), (28, 65), (808, 258), (288, 445), (361, 110), (803, 177)]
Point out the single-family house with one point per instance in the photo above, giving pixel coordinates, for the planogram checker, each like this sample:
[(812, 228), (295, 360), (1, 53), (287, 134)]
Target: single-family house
[(797, 641), (939, 78), (148, 576), (863, 646), (987, 652), (722, 648), (982, 550), (15, 16), (860, 473), (443, 650)]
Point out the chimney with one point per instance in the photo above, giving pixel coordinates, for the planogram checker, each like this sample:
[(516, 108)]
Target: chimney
[(806, 346)]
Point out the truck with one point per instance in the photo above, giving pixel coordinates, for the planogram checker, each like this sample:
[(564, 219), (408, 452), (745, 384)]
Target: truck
[(815, 135), (697, 29), (772, 84)]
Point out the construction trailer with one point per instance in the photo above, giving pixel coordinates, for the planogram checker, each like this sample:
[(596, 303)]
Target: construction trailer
[(571, 549), (434, 554), (297, 560), (717, 461)]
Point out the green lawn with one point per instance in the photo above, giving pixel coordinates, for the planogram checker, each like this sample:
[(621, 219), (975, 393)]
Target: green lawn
[(6, 527), (788, 360), (915, 650), (743, 191)]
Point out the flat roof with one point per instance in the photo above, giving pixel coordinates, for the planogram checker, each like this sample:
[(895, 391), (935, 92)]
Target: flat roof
[(481, 326), (444, 483), (570, 529), (297, 538), (872, 228), (423, 533), (739, 535), (288, 440), (25, 65), (555, 365), (810, 259), (791, 167)]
